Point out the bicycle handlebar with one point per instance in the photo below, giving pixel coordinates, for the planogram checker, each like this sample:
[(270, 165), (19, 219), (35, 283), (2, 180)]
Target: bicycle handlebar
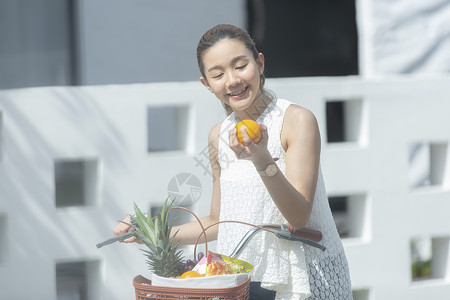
[(305, 235)]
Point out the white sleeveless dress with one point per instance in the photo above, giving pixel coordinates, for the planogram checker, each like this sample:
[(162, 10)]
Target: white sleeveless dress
[(294, 270)]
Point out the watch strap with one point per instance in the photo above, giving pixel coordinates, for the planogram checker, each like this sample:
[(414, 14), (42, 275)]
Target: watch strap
[(270, 170)]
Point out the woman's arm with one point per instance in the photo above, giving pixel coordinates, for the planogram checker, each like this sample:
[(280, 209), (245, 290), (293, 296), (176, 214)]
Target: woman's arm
[(294, 193), (188, 233)]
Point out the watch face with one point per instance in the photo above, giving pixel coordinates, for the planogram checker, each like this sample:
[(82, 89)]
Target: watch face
[(271, 170)]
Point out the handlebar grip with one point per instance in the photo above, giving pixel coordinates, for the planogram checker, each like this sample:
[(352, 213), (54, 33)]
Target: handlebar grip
[(115, 239), (306, 233)]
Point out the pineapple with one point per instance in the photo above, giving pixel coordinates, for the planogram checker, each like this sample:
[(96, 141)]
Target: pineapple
[(164, 258)]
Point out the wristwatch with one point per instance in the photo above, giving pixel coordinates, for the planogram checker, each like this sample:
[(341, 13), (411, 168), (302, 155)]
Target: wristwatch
[(270, 170)]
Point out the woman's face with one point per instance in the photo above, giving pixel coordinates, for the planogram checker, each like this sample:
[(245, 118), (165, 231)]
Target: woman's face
[(232, 73)]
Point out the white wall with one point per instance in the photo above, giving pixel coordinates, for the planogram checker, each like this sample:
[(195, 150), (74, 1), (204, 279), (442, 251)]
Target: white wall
[(108, 124)]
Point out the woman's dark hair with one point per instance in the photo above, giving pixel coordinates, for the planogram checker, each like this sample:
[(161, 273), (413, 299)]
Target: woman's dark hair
[(226, 31)]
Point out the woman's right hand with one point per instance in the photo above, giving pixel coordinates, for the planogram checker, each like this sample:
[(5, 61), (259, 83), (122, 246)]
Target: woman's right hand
[(257, 153), (123, 228)]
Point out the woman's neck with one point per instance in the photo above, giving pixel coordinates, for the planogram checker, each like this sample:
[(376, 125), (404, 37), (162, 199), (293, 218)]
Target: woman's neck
[(255, 110)]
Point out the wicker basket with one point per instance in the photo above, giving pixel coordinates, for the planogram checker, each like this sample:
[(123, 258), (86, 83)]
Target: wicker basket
[(146, 291)]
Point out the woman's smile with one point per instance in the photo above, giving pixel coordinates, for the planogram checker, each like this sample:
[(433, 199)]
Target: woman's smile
[(239, 94)]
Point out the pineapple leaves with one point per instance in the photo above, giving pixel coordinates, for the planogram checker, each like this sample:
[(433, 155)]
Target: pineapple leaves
[(146, 229), (163, 256)]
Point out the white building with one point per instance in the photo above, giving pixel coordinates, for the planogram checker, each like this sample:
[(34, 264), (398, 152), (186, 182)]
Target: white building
[(74, 159)]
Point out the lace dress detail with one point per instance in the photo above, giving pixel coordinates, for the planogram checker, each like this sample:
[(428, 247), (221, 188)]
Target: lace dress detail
[(294, 270)]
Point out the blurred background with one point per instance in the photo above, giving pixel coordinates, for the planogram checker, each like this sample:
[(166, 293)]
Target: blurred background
[(74, 42), (96, 96)]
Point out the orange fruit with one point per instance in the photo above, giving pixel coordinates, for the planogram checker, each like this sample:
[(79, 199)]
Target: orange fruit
[(253, 131), (190, 274)]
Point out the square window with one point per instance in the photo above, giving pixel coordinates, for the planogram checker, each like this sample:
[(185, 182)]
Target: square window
[(167, 128), (429, 258), (76, 182), (361, 294), (345, 121), (78, 280), (350, 215), (428, 165), (3, 237)]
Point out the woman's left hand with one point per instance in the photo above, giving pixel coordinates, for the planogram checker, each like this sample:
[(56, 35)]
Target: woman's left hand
[(251, 151)]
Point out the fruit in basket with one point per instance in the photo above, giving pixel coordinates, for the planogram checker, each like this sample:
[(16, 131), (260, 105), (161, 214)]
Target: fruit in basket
[(218, 264), (253, 131), (190, 274), (200, 255), (218, 268), (189, 265), (164, 258)]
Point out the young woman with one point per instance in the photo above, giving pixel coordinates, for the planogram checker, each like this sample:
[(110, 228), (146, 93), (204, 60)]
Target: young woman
[(277, 180)]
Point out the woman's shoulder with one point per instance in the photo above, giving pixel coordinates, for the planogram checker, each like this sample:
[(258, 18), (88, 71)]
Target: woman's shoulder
[(299, 124), (214, 133), (299, 115)]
